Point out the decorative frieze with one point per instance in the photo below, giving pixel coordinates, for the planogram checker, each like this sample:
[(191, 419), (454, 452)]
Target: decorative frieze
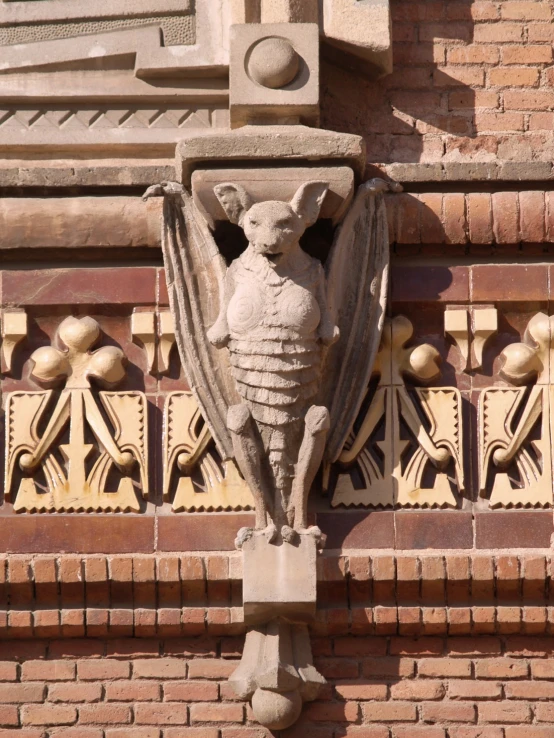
[(421, 430), (67, 466), (189, 448), (515, 423)]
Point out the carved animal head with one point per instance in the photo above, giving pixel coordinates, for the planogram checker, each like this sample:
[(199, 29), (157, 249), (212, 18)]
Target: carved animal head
[(272, 227)]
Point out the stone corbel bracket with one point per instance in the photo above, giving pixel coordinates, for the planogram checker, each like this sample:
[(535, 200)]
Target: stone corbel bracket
[(155, 331), (462, 323), (14, 330)]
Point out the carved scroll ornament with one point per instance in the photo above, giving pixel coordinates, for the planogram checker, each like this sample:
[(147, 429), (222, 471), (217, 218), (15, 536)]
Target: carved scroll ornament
[(516, 422), (75, 470), (418, 434)]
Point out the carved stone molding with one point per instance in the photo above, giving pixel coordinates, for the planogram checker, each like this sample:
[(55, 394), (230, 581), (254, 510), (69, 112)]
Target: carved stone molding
[(462, 323), (13, 330), (68, 467), (515, 424), (422, 430)]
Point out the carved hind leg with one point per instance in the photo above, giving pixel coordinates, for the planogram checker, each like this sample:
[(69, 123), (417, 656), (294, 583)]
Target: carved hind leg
[(309, 459), (249, 454)]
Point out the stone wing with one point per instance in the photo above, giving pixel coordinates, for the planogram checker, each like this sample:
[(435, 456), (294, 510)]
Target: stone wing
[(195, 272), (357, 282)]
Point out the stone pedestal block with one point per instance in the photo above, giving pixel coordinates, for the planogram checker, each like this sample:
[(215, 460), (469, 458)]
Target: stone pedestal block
[(279, 580)]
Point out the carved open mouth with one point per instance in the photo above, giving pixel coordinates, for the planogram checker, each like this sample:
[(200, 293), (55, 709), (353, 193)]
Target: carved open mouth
[(274, 258)]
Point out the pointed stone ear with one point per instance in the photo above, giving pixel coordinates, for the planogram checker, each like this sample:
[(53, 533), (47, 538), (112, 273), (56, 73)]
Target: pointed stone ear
[(308, 200), (234, 199)]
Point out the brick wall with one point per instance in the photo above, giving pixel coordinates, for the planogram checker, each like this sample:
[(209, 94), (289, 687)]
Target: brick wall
[(471, 81), (483, 687)]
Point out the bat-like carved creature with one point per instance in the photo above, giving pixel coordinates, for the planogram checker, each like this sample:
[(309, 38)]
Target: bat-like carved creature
[(275, 322), (285, 392)]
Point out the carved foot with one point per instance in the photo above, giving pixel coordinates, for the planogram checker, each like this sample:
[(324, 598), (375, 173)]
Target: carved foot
[(315, 532), (245, 534), (289, 534)]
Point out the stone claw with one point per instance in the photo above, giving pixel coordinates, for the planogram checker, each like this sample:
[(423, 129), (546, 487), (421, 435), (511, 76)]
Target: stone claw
[(270, 532), (243, 535), (289, 534)]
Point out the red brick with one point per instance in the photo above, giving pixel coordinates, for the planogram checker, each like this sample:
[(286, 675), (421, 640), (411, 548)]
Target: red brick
[(483, 731), (325, 712), (211, 668), (416, 646), (543, 669), (160, 668), (360, 646), (388, 667), (351, 731), (135, 732), (513, 10), (514, 76), (22, 733), (532, 216), (214, 712), (362, 691), (455, 225), (528, 731), (385, 712), (532, 690), (480, 217), (94, 670), (526, 54), (448, 712), (8, 716), (103, 714), (200, 733), (337, 668), (8, 671), (75, 693), (161, 714), (190, 691), (504, 712), (505, 220), (78, 732), (503, 668), (48, 715), (444, 667), (424, 689), (49, 671), (132, 691), (22, 692), (463, 689), (492, 33), (427, 731), (475, 54), (544, 713)]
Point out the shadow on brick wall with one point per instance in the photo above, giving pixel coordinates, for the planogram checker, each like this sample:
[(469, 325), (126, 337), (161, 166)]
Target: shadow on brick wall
[(425, 109)]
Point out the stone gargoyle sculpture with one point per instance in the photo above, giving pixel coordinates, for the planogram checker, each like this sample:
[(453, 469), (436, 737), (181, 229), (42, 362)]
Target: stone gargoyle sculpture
[(278, 349), (300, 337)]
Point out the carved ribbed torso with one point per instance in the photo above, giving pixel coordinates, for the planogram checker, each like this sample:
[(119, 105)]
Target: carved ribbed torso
[(273, 319)]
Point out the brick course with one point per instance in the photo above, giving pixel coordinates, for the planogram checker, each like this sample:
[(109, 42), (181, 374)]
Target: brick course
[(481, 687)]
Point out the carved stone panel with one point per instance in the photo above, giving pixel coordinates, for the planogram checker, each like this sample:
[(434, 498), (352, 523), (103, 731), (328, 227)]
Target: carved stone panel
[(515, 423), (75, 450), (403, 434)]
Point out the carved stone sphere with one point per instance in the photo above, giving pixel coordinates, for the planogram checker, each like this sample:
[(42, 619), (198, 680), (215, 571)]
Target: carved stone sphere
[(276, 710), (273, 62)]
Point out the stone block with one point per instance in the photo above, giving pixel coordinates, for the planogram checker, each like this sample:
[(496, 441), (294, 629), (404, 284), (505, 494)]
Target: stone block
[(274, 73), (279, 580), (279, 183)]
